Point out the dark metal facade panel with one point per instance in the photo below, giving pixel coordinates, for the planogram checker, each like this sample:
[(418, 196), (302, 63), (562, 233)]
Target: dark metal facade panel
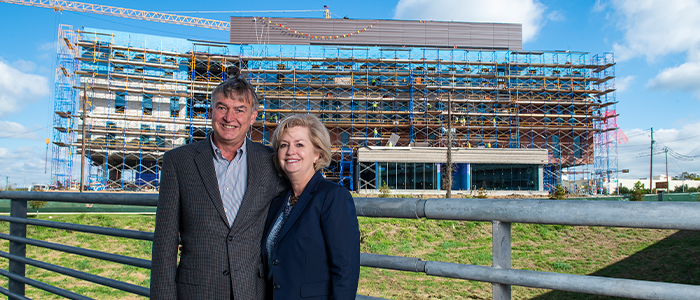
[(249, 30)]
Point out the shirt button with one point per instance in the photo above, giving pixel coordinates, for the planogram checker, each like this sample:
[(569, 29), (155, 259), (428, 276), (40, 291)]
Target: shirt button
[(227, 189), (276, 262), (276, 286), (230, 238), (226, 273)]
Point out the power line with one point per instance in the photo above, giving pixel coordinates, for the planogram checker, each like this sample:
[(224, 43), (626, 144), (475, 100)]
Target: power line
[(11, 136), (682, 139)]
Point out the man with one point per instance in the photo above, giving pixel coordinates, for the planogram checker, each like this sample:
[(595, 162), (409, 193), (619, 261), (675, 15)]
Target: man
[(214, 196)]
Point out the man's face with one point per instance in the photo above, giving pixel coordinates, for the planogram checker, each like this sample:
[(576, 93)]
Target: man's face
[(231, 120)]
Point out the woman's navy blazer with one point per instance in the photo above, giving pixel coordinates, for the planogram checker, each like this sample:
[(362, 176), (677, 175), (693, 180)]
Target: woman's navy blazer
[(318, 248)]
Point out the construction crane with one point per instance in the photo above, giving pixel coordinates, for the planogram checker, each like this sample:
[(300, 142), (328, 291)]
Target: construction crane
[(136, 14)]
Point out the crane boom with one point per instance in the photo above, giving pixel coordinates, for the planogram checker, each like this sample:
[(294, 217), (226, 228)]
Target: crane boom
[(136, 14)]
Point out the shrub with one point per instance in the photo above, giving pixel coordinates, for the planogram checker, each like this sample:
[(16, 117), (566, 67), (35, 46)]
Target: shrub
[(559, 193), (481, 193), (624, 190), (638, 192), (384, 190)]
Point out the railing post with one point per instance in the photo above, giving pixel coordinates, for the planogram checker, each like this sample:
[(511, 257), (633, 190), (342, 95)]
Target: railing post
[(18, 209), (501, 256)]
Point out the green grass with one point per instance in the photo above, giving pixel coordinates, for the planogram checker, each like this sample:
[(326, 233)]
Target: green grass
[(657, 255), (133, 248)]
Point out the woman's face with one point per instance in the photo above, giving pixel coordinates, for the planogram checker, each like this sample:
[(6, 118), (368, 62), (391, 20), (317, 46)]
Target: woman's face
[(296, 154)]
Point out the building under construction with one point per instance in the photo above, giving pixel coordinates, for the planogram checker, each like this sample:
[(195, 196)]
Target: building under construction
[(392, 94)]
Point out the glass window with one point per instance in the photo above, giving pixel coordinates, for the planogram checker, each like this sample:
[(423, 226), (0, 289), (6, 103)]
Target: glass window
[(120, 102), (401, 176), (577, 146), (430, 177), (410, 176), (556, 147), (144, 129), (419, 176), (367, 175), (174, 107), (504, 177), (344, 138), (147, 104)]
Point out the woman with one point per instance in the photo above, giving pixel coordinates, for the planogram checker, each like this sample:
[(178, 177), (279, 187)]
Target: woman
[(312, 241)]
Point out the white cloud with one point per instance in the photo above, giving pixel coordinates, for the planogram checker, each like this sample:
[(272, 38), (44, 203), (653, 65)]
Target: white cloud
[(48, 46), (24, 65), (684, 77), (18, 88), (527, 12), (654, 28), (635, 154), (556, 16), (47, 51), (18, 131), (24, 165), (599, 6), (622, 84)]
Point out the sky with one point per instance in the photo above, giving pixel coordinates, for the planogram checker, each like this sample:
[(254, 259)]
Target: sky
[(655, 45)]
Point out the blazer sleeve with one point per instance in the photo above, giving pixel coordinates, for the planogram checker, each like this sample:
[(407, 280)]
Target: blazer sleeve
[(342, 236), (166, 235)]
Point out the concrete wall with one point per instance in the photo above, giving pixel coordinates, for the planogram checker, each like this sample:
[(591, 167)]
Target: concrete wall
[(396, 33)]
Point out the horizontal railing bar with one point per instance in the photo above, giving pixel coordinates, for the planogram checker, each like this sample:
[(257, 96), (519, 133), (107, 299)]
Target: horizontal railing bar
[(136, 262), (656, 215), (363, 297), (398, 263), (616, 287), (123, 286), (408, 208), (606, 286), (124, 233), (47, 287), (11, 295), (97, 198)]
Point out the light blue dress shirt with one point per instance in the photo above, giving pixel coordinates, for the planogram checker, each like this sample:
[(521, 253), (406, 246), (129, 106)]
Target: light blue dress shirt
[(232, 177)]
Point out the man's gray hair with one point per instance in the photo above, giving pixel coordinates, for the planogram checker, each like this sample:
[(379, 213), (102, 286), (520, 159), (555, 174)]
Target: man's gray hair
[(237, 88)]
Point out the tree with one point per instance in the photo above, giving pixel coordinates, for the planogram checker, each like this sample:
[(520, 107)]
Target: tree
[(559, 193), (624, 190), (686, 176), (37, 205), (638, 192), (384, 190)]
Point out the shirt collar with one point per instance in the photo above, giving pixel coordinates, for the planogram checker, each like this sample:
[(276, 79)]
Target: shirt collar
[(218, 156)]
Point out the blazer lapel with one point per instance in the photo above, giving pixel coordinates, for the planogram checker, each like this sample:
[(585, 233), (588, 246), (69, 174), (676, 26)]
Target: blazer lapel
[(205, 165), (303, 201), (253, 183)]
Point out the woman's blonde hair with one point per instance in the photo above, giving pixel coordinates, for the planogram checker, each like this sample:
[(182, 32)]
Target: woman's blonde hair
[(318, 134)]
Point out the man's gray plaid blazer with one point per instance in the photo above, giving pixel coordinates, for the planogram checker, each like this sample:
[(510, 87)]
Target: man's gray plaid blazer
[(216, 261)]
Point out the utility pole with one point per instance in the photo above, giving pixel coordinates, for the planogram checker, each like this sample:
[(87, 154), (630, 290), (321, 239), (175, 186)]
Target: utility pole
[(448, 169), (651, 161), (668, 187), (7, 183)]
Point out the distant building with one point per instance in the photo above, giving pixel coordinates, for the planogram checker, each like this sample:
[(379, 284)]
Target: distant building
[(517, 119)]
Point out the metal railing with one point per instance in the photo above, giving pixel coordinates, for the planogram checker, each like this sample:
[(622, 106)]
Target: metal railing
[(18, 241), (501, 213)]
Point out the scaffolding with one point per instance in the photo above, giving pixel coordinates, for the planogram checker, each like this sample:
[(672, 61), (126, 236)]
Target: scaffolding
[(65, 108), (145, 95)]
